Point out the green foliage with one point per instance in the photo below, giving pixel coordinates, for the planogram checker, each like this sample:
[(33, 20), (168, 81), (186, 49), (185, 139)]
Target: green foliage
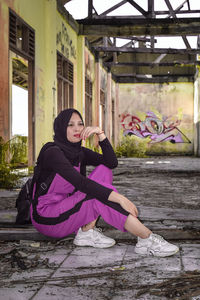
[(19, 150), (8, 178), (132, 146), (12, 153), (3, 151)]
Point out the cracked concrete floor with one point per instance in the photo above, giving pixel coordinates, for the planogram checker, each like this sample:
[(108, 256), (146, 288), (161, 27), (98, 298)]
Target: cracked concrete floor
[(165, 189)]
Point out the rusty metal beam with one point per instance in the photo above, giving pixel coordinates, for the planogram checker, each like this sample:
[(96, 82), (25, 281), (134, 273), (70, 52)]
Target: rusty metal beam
[(185, 11), (154, 64), (145, 50), (129, 78), (113, 26), (63, 2), (138, 7), (90, 8), (173, 14), (151, 12), (179, 7), (113, 8)]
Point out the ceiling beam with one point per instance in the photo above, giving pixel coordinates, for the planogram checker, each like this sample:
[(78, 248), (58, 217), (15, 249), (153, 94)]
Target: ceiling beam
[(138, 7), (137, 38), (151, 12), (180, 6), (145, 50), (154, 79), (63, 2), (113, 8), (153, 64), (113, 26), (156, 13), (173, 14), (90, 8)]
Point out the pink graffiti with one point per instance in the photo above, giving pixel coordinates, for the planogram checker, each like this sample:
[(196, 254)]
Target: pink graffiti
[(158, 130)]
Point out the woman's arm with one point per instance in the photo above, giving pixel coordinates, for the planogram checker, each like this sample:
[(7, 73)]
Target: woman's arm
[(124, 202), (108, 158), (55, 160), (90, 130)]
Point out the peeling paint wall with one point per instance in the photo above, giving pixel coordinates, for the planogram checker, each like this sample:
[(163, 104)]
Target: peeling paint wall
[(67, 44), (4, 67), (90, 73), (52, 33), (197, 112), (164, 107)]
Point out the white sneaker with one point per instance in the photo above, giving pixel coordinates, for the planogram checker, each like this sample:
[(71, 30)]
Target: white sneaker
[(155, 245), (94, 238)]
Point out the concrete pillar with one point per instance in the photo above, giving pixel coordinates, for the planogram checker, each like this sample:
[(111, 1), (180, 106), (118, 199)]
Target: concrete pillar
[(116, 108), (108, 125), (97, 92), (197, 113), (4, 77), (79, 101)]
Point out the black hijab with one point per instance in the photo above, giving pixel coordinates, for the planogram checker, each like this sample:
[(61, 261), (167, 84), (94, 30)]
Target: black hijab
[(72, 151)]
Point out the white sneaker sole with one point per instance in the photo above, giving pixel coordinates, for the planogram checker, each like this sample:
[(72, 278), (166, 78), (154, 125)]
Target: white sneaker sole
[(81, 244), (143, 251)]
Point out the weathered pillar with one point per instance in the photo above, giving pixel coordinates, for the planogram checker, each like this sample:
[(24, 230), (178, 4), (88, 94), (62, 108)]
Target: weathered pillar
[(79, 99), (197, 113), (108, 124), (116, 109), (4, 78), (97, 91)]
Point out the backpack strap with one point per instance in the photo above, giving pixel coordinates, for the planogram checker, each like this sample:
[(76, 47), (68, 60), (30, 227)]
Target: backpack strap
[(42, 189)]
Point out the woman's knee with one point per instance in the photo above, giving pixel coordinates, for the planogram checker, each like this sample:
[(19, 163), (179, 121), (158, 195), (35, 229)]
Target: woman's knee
[(101, 173)]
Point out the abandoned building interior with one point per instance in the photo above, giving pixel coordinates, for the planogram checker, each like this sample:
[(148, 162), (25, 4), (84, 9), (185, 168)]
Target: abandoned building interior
[(108, 66)]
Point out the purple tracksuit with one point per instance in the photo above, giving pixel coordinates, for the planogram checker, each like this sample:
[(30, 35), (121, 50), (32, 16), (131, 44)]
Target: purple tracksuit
[(74, 200)]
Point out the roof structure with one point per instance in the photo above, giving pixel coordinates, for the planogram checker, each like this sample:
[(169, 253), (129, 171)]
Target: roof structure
[(138, 59)]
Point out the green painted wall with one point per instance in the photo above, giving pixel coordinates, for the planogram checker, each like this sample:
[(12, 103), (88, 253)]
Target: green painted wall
[(197, 112), (41, 16), (67, 43), (52, 33), (172, 104), (90, 72)]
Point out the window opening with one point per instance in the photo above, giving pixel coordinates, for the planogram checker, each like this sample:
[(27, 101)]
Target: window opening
[(88, 101), (22, 56), (65, 76), (102, 109), (113, 120)]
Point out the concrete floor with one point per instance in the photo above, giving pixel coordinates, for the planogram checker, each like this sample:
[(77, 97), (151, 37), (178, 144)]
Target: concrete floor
[(166, 190)]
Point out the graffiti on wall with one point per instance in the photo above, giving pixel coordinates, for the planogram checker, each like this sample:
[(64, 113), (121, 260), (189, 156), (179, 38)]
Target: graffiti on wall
[(63, 39), (157, 129)]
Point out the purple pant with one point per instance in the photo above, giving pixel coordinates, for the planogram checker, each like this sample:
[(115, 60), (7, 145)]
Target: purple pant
[(76, 210)]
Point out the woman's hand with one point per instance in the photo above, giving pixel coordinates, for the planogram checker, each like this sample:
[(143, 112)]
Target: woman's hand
[(129, 206), (90, 130), (124, 202)]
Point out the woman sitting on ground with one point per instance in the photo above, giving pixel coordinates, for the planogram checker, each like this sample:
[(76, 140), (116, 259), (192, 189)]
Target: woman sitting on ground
[(73, 201)]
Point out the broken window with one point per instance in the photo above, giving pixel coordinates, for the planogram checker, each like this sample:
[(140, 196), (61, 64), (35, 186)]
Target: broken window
[(22, 56), (113, 121), (21, 36), (88, 101), (65, 75), (102, 110)]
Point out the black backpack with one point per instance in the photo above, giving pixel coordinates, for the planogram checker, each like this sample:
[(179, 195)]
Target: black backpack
[(24, 198), (23, 203)]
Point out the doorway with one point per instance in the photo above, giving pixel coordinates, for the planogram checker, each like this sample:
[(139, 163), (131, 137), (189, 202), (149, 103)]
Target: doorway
[(22, 61), (19, 99), (18, 109)]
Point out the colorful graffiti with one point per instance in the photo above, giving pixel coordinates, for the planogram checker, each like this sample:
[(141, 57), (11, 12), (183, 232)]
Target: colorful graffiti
[(158, 130)]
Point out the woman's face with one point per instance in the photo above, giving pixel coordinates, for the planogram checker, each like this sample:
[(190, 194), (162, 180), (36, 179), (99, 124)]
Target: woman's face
[(74, 128)]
